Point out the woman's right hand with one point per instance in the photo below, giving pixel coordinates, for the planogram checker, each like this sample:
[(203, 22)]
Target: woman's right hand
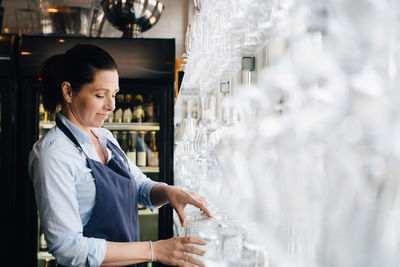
[(174, 251)]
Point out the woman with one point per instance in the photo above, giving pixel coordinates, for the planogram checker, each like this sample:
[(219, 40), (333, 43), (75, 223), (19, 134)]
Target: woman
[(86, 189)]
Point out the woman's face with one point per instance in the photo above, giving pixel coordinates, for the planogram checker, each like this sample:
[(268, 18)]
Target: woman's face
[(92, 104)]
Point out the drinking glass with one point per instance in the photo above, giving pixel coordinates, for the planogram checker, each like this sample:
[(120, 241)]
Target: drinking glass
[(199, 225), (207, 124), (210, 235), (231, 237), (251, 256), (184, 137)]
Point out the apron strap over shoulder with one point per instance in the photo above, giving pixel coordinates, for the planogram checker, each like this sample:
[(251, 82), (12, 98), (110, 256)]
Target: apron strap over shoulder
[(69, 134)]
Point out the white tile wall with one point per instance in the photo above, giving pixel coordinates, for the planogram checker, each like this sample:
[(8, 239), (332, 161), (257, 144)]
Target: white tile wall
[(172, 24)]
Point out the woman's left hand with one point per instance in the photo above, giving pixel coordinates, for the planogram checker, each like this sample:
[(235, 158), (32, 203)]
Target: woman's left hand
[(179, 198)]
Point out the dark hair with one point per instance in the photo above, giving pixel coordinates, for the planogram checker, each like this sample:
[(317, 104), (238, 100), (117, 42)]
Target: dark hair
[(77, 66)]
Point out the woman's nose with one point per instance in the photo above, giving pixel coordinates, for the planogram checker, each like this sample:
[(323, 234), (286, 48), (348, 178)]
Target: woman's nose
[(110, 103)]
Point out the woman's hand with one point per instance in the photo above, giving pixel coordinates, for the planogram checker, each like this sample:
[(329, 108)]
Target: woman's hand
[(174, 251), (179, 198)]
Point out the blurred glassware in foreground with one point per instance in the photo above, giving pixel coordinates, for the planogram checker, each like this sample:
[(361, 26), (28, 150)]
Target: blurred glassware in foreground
[(311, 158)]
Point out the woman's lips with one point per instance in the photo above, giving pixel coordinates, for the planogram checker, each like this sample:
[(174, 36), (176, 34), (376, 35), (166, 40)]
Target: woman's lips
[(103, 116)]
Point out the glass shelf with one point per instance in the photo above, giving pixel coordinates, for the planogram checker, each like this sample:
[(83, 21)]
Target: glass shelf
[(46, 125), (150, 169), (145, 126), (44, 255)]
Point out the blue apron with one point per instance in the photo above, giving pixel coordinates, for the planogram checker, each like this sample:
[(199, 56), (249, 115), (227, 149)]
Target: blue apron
[(115, 214)]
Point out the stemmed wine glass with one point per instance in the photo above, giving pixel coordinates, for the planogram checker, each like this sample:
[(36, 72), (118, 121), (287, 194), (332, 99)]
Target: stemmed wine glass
[(185, 134), (207, 125)]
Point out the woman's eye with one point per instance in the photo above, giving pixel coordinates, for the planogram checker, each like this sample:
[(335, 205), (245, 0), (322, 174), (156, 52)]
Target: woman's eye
[(100, 96)]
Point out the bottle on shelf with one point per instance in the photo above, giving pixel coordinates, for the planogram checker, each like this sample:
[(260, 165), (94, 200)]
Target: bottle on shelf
[(149, 109), (141, 150), (138, 112), (131, 152), (42, 243), (116, 135), (41, 109), (110, 117), (119, 108), (46, 116), (152, 154), (51, 116), (127, 115), (124, 141)]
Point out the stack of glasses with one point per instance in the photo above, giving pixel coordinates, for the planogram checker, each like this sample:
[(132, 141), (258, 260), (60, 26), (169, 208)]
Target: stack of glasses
[(227, 240)]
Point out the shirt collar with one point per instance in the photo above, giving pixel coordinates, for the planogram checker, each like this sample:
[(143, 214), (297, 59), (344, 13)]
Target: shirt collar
[(99, 133), (79, 134)]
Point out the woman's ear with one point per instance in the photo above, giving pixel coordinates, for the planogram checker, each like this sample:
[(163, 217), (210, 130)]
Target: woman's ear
[(66, 91)]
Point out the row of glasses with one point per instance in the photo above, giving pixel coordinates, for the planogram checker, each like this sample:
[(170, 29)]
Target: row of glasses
[(290, 185), (220, 34), (223, 31)]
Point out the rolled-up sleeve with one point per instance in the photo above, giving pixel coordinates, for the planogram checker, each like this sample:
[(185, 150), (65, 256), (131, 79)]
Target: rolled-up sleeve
[(76, 250), (58, 207)]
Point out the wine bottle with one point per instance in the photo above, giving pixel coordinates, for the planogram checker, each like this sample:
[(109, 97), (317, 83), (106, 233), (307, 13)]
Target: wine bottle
[(116, 135), (42, 243), (131, 153), (119, 105), (52, 116), (124, 141), (149, 109), (127, 115), (110, 117), (41, 109), (152, 154), (138, 112), (141, 150)]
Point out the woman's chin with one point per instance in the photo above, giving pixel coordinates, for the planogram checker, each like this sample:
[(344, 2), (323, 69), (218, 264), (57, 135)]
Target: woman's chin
[(99, 124)]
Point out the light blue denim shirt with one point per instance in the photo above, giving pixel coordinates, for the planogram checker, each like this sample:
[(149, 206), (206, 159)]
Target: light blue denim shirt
[(65, 192)]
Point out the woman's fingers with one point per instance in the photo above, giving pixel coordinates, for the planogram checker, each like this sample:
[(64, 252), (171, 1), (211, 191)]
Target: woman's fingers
[(194, 250), (193, 240), (188, 242), (199, 198), (179, 263), (202, 199), (202, 205), (189, 259), (179, 198), (176, 251), (186, 264)]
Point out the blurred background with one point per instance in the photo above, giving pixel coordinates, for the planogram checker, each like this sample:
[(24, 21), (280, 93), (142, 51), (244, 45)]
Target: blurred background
[(19, 16)]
